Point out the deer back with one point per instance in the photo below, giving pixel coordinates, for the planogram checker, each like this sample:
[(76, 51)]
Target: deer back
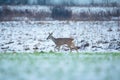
[(61, 41)]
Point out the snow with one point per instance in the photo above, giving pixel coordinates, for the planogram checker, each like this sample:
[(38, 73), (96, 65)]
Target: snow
[(26, 36)]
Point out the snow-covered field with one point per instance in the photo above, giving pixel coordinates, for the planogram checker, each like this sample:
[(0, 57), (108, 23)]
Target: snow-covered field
[(30, 36), (32, 56), (60, 66)]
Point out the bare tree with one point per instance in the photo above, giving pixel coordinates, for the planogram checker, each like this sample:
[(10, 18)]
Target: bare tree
[(107, 2), (44, 2), (119, 18)]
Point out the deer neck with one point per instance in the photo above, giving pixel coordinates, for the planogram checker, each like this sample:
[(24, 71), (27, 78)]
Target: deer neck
[(53, 39)]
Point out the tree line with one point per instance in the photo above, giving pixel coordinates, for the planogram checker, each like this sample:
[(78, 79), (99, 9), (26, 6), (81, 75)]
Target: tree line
[(59, 2)]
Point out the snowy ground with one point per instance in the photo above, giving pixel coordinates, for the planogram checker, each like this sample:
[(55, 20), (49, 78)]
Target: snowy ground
[(60, 66), (30, 36), (36, 60)]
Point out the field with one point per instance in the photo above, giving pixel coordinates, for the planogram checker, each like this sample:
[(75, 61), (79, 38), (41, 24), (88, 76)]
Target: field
[(30, 36), (27, 54), (59, 66)]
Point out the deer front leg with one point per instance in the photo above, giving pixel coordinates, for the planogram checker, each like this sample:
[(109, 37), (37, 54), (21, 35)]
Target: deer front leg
[(57, 47)]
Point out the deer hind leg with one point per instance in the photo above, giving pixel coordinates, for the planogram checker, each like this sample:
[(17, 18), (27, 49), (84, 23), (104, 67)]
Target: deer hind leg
[(74, 47), (69, 45), (70, 48)]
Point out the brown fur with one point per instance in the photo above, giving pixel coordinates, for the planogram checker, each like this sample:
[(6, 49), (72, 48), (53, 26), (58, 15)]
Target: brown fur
[(62, 41)]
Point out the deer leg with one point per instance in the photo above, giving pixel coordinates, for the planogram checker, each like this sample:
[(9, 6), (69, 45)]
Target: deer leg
[(76, 49), (70, 49), (58, 48), (55, 48), (72, 46)]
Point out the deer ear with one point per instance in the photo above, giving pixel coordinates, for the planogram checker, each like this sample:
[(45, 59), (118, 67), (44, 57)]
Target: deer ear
[(50, 33)]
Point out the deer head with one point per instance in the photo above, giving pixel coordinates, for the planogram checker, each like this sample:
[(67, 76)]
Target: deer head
[(50, 35)]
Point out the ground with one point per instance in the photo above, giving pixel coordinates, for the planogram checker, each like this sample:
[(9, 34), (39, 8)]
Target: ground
[(26, 54), (59, 66), (30, 36)]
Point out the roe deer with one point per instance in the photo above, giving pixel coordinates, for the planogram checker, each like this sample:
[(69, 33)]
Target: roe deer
[(62, 41)]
